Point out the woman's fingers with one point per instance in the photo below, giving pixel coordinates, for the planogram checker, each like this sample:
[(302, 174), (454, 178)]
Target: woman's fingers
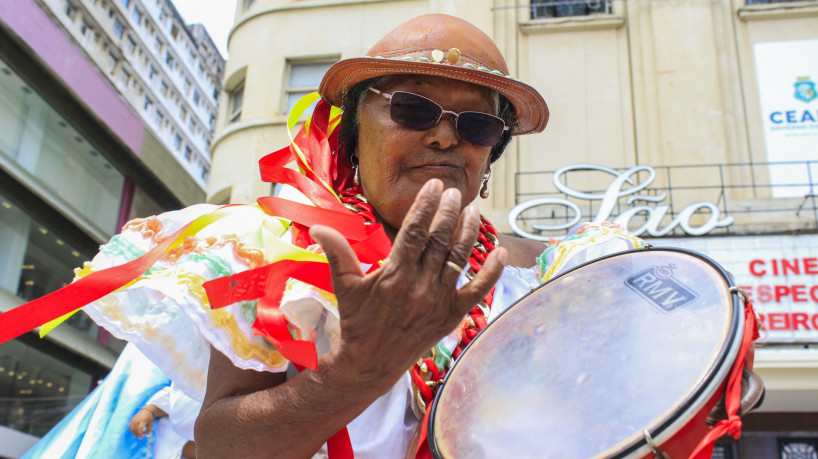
[(343, 262), (474, 291), (442, 231), (414, 232), (465, 235)]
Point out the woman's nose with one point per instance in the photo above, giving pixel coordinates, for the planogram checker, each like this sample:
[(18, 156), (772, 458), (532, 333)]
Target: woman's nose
[(444, 133)]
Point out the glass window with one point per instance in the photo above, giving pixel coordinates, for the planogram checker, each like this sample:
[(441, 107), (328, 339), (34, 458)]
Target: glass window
[(70, 10), (36, 389), (160, 118), (137, 16), (148, 104), (183, 113), (798, 447), (236, 102), (118, 28), (304, 78), (177, 142), (47, 150), (112, 61), (125, 77), (130, 45), (169, 60), (563, 8), (127, 3), (196, 97), (152, 73)]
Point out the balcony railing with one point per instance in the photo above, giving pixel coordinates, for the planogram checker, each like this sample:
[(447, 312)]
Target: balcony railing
[(564, 8), (764, 2), (662, 197)]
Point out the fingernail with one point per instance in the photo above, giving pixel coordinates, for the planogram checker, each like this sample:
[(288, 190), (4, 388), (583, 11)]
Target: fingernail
[(434, 185), (451, 194)]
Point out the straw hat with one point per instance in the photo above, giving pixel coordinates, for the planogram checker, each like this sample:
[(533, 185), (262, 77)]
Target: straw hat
[(441, 45)]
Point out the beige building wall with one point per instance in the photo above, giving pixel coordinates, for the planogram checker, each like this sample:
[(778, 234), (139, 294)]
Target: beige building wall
[(654, 82)]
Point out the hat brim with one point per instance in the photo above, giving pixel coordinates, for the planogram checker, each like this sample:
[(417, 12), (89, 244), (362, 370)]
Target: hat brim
[(532, 112)]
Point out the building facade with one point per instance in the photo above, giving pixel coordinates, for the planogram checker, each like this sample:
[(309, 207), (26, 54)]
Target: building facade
[(106, 114), (697, 117)]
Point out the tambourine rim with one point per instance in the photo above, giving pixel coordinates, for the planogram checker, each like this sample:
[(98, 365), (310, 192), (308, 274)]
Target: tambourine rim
[(695, 392)]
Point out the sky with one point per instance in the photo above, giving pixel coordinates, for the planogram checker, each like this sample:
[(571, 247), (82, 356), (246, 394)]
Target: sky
[(216, 15)]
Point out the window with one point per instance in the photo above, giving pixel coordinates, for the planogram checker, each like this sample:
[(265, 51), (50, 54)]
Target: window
[(183, 113), (148, 104), (196, 97), (112, 61), (130, 45), (169, 60), (125, 77), (304, 78), (564, 8), (205, 172), (158, 45), (188, 84), (127, 3), (236, 102), (160, 118), (165, 89), (177, 142), (188, 153), (798, 447), (152, 72), (137, 16), (70, 10), (85, 28), (118, 28)]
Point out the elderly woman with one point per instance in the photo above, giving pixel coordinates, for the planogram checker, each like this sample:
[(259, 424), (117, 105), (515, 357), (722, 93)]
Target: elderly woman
[(425, 115)]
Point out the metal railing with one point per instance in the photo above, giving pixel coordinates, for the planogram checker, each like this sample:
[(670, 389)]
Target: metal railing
[(564, 8), (764, 2), (762, 198)]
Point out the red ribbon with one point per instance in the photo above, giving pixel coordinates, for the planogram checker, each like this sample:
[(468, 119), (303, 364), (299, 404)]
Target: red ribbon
[(732, 395), (90, 288)]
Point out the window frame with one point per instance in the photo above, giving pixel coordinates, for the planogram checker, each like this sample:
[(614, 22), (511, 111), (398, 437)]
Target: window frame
[(287, 89), (233, 113)]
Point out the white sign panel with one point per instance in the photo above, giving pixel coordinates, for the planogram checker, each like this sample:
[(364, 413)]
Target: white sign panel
[(780, 273), (787, 72)]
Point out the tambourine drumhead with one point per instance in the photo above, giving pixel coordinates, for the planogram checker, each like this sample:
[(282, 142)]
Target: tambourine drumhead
[(582, 365)]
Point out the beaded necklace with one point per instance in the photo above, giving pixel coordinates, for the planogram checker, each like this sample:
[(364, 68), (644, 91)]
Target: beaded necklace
[(429, 371)]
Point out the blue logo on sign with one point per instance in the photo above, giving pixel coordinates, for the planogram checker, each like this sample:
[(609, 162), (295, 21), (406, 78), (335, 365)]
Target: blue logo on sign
[(805, 89), (658, 286)]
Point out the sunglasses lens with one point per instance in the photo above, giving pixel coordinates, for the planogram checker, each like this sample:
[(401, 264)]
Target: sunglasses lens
[(480, 128), (414, 111)]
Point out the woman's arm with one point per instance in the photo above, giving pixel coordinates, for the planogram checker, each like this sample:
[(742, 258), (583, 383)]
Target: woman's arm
[(387, 318)]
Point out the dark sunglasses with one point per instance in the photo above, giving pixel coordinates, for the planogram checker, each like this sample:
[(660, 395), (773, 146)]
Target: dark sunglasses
[(417, 112)]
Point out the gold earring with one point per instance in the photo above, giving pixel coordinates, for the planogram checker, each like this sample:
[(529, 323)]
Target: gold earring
[(484, 191), (356, 179)]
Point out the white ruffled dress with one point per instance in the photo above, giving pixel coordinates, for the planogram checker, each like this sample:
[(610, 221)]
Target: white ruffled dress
[(166, 314)]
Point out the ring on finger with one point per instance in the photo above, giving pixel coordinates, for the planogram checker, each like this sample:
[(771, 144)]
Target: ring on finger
[(454, 266)]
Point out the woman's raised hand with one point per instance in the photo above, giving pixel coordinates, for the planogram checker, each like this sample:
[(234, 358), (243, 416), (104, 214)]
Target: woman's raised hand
[(390, 317)]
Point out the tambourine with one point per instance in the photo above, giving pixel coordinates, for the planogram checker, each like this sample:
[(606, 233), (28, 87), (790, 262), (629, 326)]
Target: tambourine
[(625, 356)]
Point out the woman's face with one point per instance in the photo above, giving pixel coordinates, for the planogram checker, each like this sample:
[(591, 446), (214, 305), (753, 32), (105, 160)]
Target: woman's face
[(395, 161)]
